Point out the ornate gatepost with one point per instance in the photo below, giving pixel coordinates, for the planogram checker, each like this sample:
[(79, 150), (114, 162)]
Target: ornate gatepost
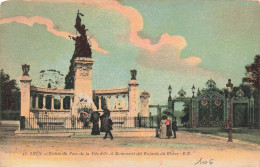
[(133, 96), (144, 97), (258, 77), (25, 84)]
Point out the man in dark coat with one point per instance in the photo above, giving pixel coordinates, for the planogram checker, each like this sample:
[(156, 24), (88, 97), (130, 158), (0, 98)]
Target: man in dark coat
[(95, 119), (174, 126), (169, 127), (102, 118), (108, 126)]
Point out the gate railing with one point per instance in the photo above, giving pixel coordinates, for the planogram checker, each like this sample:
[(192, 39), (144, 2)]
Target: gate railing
[(59, 123)]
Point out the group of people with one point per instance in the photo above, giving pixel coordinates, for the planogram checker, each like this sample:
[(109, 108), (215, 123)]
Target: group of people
[(167, 127), (106, 122)]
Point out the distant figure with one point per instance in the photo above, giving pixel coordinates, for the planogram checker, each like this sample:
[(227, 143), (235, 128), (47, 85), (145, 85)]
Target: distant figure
[(95, 119), (108, 123), (174, 127), (163, 129), (102, 118), (169, 127)]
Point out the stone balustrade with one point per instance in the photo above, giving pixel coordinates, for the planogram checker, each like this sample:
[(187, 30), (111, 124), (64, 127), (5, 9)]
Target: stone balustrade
[(116, 99), (39, 96)]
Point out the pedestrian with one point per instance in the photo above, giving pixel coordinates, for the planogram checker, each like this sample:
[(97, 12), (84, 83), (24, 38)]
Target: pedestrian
[(108, 123), (163, 128), (169, 127), (174, 127)]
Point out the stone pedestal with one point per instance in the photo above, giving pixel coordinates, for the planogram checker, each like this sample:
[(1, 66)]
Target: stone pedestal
[(82, 80), (133, 98), (25, 84)]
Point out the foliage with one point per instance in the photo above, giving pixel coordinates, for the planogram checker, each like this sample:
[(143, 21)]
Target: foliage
[(85, 109), (252, 73), (69, 79), (167, 113), (198, 92), (10, 93), (185, 118)]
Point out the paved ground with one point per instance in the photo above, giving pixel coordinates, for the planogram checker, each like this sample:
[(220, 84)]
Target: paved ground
[(82, 149)]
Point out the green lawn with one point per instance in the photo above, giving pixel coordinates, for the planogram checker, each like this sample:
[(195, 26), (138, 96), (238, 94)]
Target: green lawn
[(243, 134)]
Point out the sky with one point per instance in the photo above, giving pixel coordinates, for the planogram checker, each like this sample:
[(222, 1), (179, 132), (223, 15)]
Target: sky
[(168, 42)]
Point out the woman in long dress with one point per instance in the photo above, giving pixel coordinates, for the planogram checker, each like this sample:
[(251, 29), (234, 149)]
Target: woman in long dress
[(163, 129)]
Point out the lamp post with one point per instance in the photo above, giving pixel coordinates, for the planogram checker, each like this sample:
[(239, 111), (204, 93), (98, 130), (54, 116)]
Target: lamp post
[(170, 101), (192, 106), (193, 90), (230, 87), (170, 91)]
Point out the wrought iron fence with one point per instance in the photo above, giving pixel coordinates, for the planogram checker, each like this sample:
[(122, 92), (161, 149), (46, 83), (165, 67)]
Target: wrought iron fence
[(56, 123)]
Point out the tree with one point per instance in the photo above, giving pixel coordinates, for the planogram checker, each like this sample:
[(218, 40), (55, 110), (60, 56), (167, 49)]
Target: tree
[(253, 73), (10, 93), (252, 78), (69, 79)]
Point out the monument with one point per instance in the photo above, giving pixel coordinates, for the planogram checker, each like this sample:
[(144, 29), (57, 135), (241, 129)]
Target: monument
[(82, 67)]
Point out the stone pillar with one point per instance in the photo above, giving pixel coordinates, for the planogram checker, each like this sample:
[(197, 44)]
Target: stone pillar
[(116, 102), (52, 102), (31, 102), (25, 84), (82, 80), (61, 102), (44, 102), (108, 102), (99, 103), (37, 102), (71, 102), (123, 102), (133, 95), (144, 97)]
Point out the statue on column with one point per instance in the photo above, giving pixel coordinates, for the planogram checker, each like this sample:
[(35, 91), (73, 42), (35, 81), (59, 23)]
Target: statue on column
[(82, 47)]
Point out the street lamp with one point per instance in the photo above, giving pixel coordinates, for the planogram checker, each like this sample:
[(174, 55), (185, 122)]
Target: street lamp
[(230, 87), (170, 91), (193, 90)]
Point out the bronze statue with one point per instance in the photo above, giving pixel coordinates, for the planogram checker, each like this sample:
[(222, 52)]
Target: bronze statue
[(82, 47)]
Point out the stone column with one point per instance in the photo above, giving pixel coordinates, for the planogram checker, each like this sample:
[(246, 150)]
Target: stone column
[(99, 103), (116, 102), (37, 102), (52, 102), (123, 102), (25, 84), (31, 102), (133, 95), (44, 102), (108, 102), (144, 97), (82, 80), (71, 103), (61, 102)]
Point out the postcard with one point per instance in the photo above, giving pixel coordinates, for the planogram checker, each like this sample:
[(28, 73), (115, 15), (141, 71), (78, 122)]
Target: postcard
[(130, 83)]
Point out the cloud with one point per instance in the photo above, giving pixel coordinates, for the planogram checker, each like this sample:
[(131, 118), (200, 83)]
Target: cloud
[(50, 27), (168, 58), (164, 54)]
